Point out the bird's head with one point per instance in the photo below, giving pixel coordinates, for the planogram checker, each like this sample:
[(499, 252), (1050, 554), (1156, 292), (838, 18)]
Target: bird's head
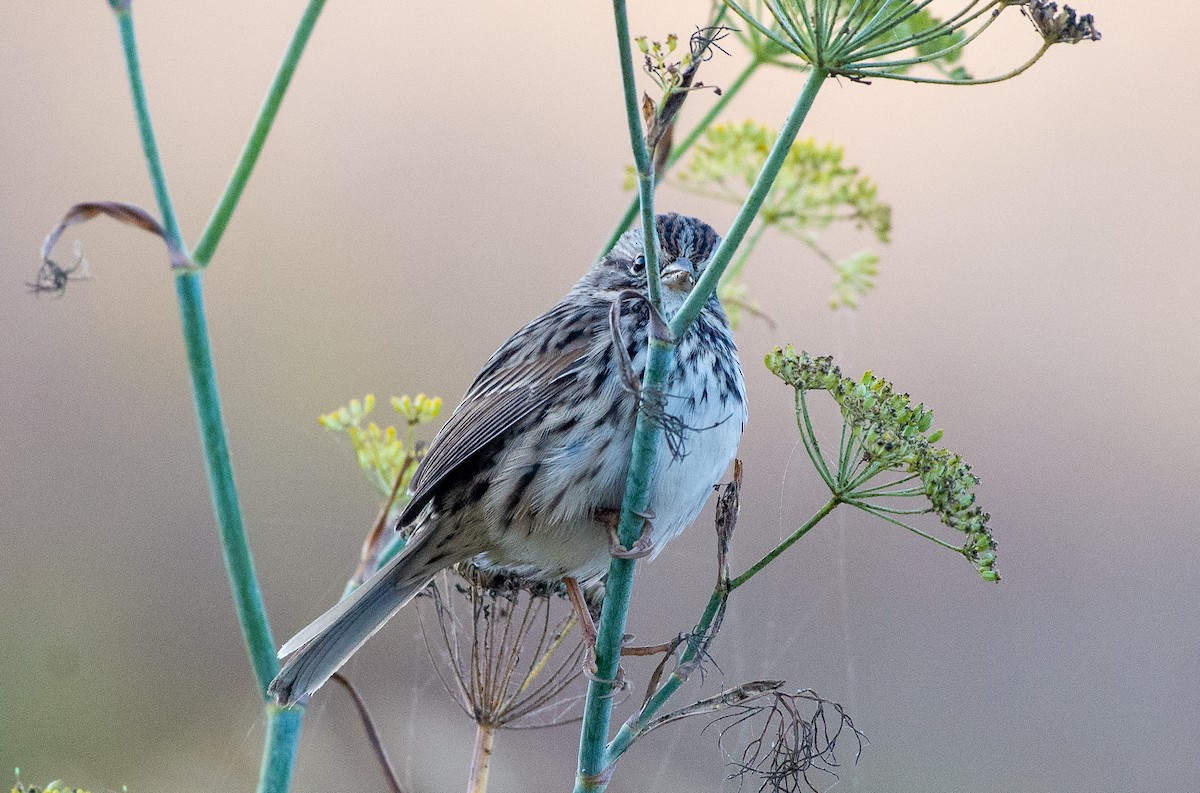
[(685, 246)]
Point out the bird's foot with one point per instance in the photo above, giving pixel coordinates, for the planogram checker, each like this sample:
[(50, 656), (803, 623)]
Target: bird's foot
[(617, 683), (641, 547)]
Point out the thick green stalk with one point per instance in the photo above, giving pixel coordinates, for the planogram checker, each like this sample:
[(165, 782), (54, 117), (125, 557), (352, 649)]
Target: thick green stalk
[(749, 211), (258, 136), (594, 769), (279, 749), (597, 714), (683, 146), (239, 564), (610, 632)]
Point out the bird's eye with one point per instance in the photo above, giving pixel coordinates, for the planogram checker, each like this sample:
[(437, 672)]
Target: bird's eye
[(639, 265)]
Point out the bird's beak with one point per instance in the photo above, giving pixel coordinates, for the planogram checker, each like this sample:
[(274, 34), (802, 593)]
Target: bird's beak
[(680, 274)]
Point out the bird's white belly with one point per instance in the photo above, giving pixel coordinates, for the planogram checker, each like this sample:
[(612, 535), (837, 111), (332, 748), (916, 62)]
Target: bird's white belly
[(682, 484), (586, 470)]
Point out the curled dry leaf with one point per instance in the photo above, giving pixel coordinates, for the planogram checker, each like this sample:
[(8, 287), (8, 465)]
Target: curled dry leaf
[(52, 277)]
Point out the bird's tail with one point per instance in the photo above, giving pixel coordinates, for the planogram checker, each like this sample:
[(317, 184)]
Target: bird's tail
[(320, 649)]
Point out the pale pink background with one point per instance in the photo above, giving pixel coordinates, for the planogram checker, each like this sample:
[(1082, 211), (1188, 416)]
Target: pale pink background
[(442, 172)]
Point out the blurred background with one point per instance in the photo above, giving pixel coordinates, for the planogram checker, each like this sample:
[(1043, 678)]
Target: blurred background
[(439, 174)]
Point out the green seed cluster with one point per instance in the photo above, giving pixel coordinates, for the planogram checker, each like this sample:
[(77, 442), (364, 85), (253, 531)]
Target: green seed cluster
[(896, 437)]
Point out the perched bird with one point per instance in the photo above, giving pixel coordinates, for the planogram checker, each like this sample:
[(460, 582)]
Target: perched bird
[(529, 472)]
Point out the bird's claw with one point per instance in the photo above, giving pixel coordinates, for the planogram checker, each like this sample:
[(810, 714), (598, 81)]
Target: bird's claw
[(619, 683), (641, 547)]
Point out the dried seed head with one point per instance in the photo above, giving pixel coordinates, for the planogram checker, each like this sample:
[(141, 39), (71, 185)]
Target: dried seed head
[(506, 652)]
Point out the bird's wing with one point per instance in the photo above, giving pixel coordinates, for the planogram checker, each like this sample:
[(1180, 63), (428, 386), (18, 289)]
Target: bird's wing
[(529, 370)]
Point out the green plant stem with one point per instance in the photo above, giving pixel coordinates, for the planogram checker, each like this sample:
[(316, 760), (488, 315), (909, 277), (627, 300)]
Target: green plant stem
[(683, 146), (758, 194), (213, 232), (630, 731), (592, 769), (641, 159), (141, 111), (239, 563), (283, 725), (597, 712), (279, 749), (754, 569)]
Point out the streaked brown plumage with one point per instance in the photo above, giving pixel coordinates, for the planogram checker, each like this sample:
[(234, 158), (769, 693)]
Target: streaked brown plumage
[(537, 453)]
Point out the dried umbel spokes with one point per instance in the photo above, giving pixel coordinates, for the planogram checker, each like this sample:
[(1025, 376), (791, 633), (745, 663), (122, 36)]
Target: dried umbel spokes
[(885, 437), (791, 746), (506, 651), (864, 39)]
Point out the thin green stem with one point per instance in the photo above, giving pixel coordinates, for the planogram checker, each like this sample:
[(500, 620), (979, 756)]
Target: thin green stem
[(871, 510), (631, 729), (785, 44), (946, 29), (868, 473), (886, 485), (847, 460), (849, 24), (682, 148), (239, 563), (258, 136), (813, 37), (141, 110), (754, 569), (1037, 56), (892, 15), (637, 724), (758, 194), (809, 436), (641, 158), (892, 510)]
